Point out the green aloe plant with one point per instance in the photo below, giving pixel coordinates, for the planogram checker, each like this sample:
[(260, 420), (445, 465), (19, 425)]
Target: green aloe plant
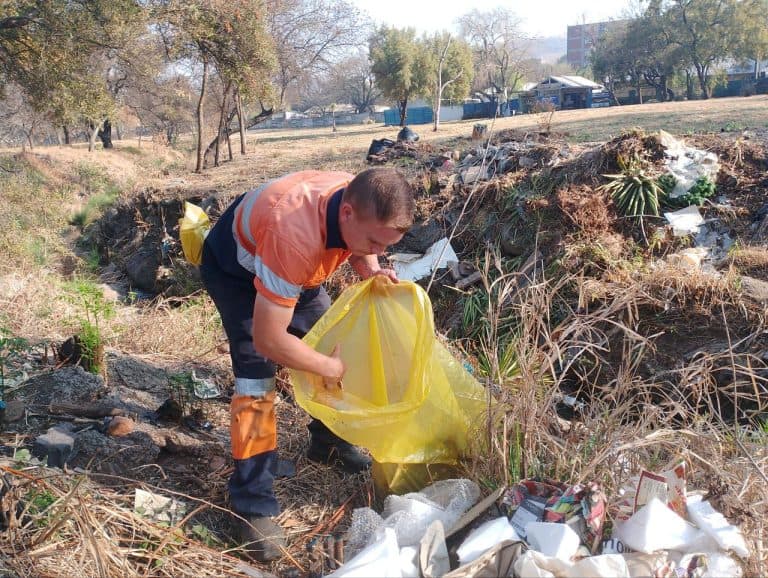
[(636, 193)]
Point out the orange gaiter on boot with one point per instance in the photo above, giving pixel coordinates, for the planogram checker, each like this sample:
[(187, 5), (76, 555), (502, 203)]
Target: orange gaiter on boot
[(254, 427)]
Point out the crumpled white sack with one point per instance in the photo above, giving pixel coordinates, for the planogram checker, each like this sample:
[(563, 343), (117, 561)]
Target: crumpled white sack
[(552, 539), (655, 527), (715, 525), (533, 564), (485, 537), (381, 559)]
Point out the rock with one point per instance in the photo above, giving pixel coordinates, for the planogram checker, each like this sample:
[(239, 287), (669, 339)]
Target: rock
[(72, 385), (115, 455), (420, 237), (754, 289), (526, 162), (120, 426), (141, 267), (110, 294), (56, 444), (14, 411), (474, 174)]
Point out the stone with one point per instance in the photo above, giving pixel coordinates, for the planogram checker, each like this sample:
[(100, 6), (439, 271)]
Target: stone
[(56, 444), (474, 174), (14, 411), (754, 289), (120, 426)]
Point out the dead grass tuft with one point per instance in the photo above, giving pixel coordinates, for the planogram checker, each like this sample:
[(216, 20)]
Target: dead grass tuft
[(591, 338)]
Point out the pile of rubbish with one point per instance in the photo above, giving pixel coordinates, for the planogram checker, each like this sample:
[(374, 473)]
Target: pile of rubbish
[(545, 529)]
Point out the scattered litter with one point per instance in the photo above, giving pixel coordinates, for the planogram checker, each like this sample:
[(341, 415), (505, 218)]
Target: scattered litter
[(412, 266), (484, 537), (554, 540), (656, 527), (378, 146), (204, 388), (669, 487), (380, 558), (715, 525), (685, 221), (160, 509), (561, 521), (498, 561), (687, 164), (691, 259), (407, 134), (433, 553), (410, 515), (581, 506)]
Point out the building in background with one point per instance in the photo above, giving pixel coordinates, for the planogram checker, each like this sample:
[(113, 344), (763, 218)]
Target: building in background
[(583, 37), (564, 93)]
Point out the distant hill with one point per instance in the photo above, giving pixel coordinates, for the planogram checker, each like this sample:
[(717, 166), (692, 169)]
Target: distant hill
[(548, 48)]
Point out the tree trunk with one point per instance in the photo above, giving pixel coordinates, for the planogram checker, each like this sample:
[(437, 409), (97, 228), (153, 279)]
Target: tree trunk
[(105, 134), (65, 128), (688, 85), (119, 132), (229, 142), (222, 115), (30, 140), (94, 131), (199, 164), (240, 121), (263, 115), (701, 72), (211, 148), (403, 112), (639, 92), (438, 98)]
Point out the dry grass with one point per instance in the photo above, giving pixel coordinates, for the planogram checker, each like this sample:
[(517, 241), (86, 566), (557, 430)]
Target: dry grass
[(577, 333), (631, 420)]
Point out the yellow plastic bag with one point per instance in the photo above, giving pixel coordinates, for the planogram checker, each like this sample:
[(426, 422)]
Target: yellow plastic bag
[(405, 398), (193, 227)]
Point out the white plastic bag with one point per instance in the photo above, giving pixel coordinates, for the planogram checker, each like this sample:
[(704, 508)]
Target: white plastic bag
[(485, 537), (655, 527), (381, 559)]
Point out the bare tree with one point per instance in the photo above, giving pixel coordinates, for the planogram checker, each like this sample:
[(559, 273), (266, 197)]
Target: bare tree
[(310, 36), (19, 122), (500, 50), (354, 83)]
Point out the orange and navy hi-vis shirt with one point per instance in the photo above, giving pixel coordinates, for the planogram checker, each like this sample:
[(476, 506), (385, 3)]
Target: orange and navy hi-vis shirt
[(287, 233)]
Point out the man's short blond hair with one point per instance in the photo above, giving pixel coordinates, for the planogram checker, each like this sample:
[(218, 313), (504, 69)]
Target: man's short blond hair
[(384, 194)]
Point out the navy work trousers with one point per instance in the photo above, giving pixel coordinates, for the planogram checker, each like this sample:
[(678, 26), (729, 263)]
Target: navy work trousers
[(231, 287)]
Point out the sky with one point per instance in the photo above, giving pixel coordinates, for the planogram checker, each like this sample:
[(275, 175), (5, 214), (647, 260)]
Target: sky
[(540, 18)]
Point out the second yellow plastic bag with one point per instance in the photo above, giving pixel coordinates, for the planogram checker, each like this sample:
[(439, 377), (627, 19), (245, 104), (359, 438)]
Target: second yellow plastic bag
[(405, 398), (193, 227)]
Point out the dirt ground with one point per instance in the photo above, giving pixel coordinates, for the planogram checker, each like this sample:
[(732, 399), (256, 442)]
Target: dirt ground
[(689, 337)]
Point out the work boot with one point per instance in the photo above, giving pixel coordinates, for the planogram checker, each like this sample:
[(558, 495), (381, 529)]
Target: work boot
[(341, 453), (263, 540), (328, 448)]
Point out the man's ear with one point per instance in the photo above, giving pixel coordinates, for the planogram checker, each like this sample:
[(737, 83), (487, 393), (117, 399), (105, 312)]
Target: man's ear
[(346, 212)]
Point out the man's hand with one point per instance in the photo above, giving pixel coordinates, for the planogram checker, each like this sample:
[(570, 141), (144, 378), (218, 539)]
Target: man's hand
[(389, 273), (334, 379), (368, 266)]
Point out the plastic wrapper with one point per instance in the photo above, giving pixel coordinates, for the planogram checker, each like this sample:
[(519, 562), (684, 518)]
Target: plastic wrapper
[(656, 527), (669, 487), (193, 228), (405, 397), (485, 537), (410, 516), (580, 506)]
